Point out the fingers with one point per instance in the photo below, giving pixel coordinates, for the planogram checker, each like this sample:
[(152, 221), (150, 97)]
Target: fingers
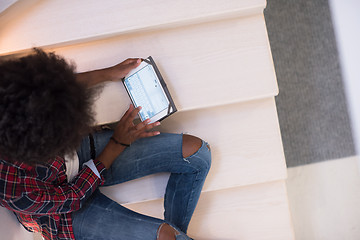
[(151, 126), (125, 118), (132, 60), (142, 124), (131, 63), (127, 132), (134, 113), (130, 114), (148, 134), (143, 129), (146, 126), (120, 70)]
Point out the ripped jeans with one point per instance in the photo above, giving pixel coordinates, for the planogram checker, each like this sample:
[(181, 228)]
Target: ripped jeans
[(101, 218)]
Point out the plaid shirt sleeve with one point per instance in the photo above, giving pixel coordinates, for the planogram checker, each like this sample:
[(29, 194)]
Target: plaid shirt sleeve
[(47, 193)]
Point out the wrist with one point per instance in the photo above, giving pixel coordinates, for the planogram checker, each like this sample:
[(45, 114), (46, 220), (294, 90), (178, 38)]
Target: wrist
[(115, 148), (109, 74), (118, 142), (102, 75), (94, 77), (110, 153)]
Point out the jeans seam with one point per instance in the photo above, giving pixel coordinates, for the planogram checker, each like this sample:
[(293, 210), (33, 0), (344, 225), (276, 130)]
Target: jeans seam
[(191, 198)]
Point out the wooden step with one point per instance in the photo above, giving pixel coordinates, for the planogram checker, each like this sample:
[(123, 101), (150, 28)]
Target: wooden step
[(201, 69), (255, 212), (245, 142), (58, 23)]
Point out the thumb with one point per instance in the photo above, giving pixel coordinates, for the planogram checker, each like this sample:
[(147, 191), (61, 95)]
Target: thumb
[(131, 64)]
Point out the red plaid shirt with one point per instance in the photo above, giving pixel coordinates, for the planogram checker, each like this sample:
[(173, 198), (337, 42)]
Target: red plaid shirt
[(41, 197)]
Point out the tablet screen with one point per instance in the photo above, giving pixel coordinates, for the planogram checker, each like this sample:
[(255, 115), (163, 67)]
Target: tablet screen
[(146, 91)]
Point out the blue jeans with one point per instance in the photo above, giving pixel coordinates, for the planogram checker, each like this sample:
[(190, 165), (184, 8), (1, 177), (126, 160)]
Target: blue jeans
[(102, 218)]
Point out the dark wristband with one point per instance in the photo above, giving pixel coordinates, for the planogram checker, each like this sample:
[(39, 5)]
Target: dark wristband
[(117, 142)]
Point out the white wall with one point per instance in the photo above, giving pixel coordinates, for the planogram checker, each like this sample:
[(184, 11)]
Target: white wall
[(346, 19)]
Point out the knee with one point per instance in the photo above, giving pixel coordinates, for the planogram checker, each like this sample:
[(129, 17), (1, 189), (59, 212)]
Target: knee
[(166, 232), (191, 145)]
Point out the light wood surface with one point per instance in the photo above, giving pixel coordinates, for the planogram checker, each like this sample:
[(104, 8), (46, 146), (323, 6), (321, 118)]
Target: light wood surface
[(58, 22), (201, 69), (255, 212), (245, 142)]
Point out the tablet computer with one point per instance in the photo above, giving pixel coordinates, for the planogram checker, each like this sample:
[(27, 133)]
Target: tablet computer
[(147, 89)]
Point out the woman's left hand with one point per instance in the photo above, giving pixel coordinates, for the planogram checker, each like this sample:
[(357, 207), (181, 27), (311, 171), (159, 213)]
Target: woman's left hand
[(119, 71)]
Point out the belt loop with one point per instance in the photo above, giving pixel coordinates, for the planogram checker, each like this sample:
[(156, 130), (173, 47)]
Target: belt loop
[(92, 147)]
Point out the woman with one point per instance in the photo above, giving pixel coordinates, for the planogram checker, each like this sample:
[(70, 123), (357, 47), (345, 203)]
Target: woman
[(46, 116)]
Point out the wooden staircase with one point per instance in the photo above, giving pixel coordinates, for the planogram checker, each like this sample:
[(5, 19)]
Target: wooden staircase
[(216, 60)]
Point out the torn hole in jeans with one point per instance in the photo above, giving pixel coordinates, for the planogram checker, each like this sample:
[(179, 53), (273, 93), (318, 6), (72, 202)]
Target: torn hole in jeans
[(174, 231)]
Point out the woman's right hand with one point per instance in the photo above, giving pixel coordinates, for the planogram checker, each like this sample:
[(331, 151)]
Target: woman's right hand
[(127, 132)]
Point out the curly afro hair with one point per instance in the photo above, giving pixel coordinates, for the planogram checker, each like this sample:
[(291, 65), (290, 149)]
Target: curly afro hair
[(44, 111)]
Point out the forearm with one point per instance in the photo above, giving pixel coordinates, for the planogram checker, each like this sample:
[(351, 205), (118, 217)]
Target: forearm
[(110, 153), (63, 198), (95, 77), (114, 73)]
